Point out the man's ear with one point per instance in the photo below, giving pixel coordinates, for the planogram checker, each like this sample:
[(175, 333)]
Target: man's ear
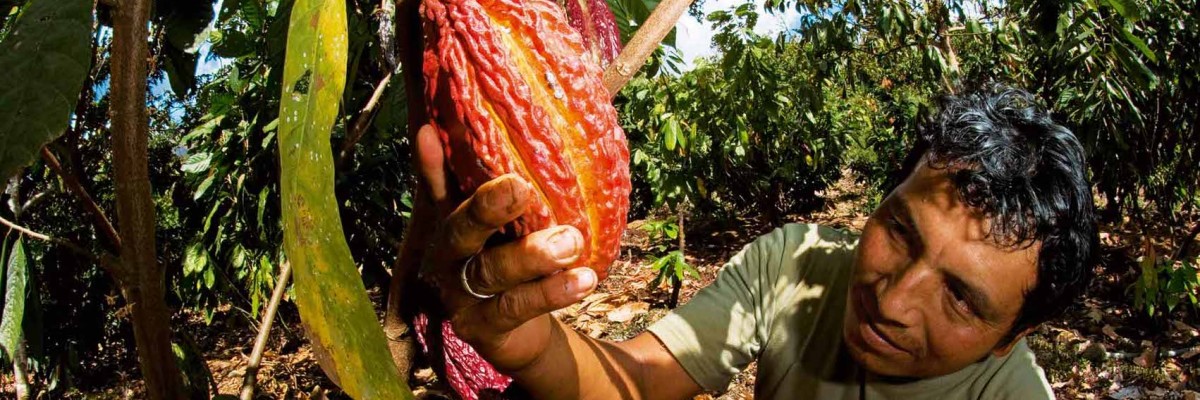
[(1003, 350)]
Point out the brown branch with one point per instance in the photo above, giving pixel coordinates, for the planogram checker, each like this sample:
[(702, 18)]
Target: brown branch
[(55, 240), (264, 332), (362, 121), (103, 224), (643, 43), (33, 200)]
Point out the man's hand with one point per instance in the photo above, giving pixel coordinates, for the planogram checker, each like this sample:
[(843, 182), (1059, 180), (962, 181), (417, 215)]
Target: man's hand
[(527, 278)]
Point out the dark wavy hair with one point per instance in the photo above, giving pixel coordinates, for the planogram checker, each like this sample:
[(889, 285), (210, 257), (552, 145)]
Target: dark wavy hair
[(1028, 174)]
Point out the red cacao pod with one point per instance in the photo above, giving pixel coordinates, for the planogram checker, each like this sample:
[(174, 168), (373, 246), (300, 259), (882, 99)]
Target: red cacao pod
[(510, 90)]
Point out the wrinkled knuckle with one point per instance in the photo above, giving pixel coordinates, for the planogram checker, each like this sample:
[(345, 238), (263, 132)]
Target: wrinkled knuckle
[(485, 273), (511, 307)]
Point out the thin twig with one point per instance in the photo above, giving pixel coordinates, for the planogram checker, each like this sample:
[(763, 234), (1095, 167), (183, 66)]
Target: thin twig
[(34, 200), (103, 224), (264, 331), (1185, 246), (363, 121), (643, 43), (47, 238)]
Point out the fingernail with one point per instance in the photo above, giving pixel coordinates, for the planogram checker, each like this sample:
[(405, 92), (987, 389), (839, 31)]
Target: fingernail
[(582, 280), (564, 244)]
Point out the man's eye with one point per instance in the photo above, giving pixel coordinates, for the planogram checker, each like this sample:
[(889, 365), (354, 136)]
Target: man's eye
[(898, 227), (960, 301)]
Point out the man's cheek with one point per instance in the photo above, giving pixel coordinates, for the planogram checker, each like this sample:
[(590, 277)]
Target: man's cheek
[(874, 255)]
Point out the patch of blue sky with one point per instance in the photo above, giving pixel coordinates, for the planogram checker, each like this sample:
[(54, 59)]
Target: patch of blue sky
[(694, 36), (207, 63)]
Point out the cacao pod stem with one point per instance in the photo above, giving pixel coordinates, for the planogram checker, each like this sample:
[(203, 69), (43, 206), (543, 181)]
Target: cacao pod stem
[(643, 43)]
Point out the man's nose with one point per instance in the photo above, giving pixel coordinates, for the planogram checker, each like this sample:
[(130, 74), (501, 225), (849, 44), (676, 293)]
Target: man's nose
[(904, 294)]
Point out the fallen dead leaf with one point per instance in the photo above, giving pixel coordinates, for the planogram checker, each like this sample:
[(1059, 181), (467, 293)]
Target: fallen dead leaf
[(1185, 328), (626, 312), (1148, 356), (595, 329), (1110, 332)]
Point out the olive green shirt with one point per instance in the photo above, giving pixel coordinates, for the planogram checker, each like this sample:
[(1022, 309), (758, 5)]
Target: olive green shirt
[(780, 301)]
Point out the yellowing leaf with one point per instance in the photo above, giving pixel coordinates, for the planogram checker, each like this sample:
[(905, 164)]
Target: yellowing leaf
[(329, 292)]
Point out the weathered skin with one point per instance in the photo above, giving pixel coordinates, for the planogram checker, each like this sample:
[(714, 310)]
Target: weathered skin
[(512, 89)]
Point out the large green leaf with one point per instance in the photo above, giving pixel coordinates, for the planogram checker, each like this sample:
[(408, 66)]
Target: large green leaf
[(631, 14), (329, 292), (14, 298), (185, 23), (44, 62)]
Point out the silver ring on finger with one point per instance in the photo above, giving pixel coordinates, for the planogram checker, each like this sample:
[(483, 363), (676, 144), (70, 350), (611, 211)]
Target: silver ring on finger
[(467, 286)]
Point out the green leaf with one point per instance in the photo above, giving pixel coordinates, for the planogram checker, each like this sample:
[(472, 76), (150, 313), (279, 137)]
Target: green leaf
[(211, 214), (671, 133), (180, 67), (185, 24), (973, 26), (1136, 69), (196, 163), (14, 298), (195, 259), (262, 205), (232, 44), (1138, 43), (209, 278), (204, 129), (44, 60), (631, 14), (1127, 8), (203, 187), (333, 303)]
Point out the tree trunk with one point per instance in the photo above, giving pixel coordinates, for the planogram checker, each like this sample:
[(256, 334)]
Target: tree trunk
[(401, 303), (140, 276)]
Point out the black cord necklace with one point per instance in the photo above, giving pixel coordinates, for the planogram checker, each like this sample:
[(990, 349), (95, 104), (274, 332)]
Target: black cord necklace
[(862, 384)]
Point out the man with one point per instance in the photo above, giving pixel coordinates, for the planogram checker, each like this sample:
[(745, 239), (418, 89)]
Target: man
[(990, 233)]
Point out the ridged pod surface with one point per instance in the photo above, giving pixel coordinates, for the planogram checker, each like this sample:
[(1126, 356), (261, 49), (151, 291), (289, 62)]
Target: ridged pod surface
[(510, 90)]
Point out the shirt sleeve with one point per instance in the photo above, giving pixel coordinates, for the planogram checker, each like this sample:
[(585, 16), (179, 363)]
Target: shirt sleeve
[(723, 328)]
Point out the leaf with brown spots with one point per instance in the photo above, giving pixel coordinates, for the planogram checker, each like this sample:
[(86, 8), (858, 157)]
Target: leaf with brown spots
[(334, 308)]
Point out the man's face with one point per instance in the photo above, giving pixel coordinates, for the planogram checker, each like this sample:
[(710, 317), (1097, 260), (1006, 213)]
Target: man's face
[(932, 293)]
